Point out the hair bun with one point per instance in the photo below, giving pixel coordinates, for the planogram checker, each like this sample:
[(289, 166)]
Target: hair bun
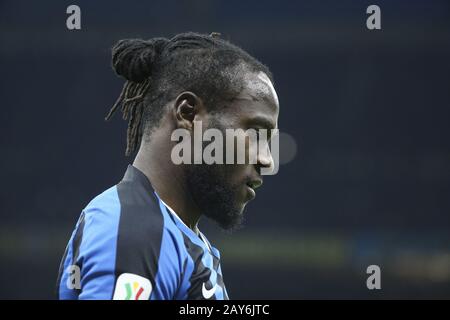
[(134, 59)]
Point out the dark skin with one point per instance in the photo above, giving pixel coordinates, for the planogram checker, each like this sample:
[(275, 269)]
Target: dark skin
[(255, 107)]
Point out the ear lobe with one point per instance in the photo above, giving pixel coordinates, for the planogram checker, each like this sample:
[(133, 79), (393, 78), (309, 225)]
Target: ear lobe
[(187, 106)]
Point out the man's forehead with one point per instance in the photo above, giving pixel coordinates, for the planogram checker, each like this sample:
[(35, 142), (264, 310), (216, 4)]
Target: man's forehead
[(259, 86)]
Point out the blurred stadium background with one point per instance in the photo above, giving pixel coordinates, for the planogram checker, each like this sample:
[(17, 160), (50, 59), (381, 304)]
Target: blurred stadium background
[(368, 111)]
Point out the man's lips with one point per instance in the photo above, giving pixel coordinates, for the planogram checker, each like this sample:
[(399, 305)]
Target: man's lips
[(252, 185), (255, 183), (251, 192)]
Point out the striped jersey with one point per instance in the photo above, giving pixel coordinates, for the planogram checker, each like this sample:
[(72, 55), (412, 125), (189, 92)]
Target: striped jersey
[(128, 244)]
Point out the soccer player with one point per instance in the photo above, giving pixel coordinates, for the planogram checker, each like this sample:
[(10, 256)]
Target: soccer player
[(139, 239)]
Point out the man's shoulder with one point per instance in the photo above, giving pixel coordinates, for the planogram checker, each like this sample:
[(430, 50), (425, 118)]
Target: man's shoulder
[(135, 215), (125, 202), (108, 200)]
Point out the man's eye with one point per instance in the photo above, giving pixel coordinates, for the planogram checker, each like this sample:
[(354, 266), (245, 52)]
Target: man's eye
[(263, 134), (259, 134)]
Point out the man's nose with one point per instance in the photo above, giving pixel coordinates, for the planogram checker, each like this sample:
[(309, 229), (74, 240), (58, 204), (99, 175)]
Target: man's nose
[(265, 159)]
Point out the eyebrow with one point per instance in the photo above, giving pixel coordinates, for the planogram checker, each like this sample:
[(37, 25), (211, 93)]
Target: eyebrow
[(265, 122), (251, 97)]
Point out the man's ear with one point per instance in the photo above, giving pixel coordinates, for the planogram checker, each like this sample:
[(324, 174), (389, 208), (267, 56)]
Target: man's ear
[(187, 107)]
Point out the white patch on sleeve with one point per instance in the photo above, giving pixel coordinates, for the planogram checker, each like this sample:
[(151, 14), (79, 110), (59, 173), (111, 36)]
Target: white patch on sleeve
[(131, 286)]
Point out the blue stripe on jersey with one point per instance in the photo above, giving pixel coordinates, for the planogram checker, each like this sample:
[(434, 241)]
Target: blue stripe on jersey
[(169, 265), (182, 293), (219, 291), (188, 268), (207, 259), (214, 250), (98, 247), (64, 292)]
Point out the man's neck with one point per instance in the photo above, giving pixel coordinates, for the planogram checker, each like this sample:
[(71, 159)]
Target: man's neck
[(168, 181)]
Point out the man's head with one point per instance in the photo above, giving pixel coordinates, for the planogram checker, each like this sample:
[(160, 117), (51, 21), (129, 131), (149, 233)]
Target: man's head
[(193, 77)]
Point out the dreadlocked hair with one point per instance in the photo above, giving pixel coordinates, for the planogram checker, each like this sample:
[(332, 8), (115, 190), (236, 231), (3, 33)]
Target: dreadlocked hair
[(157, 70)]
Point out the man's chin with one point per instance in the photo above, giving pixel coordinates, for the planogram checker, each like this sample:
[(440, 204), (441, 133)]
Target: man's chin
[(229, 220)]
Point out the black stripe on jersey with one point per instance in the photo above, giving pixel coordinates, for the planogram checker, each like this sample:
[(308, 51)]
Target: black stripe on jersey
[(216, 263), (60, 272), (220, 282), (140, 227), (76, 242), (201, 273)]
